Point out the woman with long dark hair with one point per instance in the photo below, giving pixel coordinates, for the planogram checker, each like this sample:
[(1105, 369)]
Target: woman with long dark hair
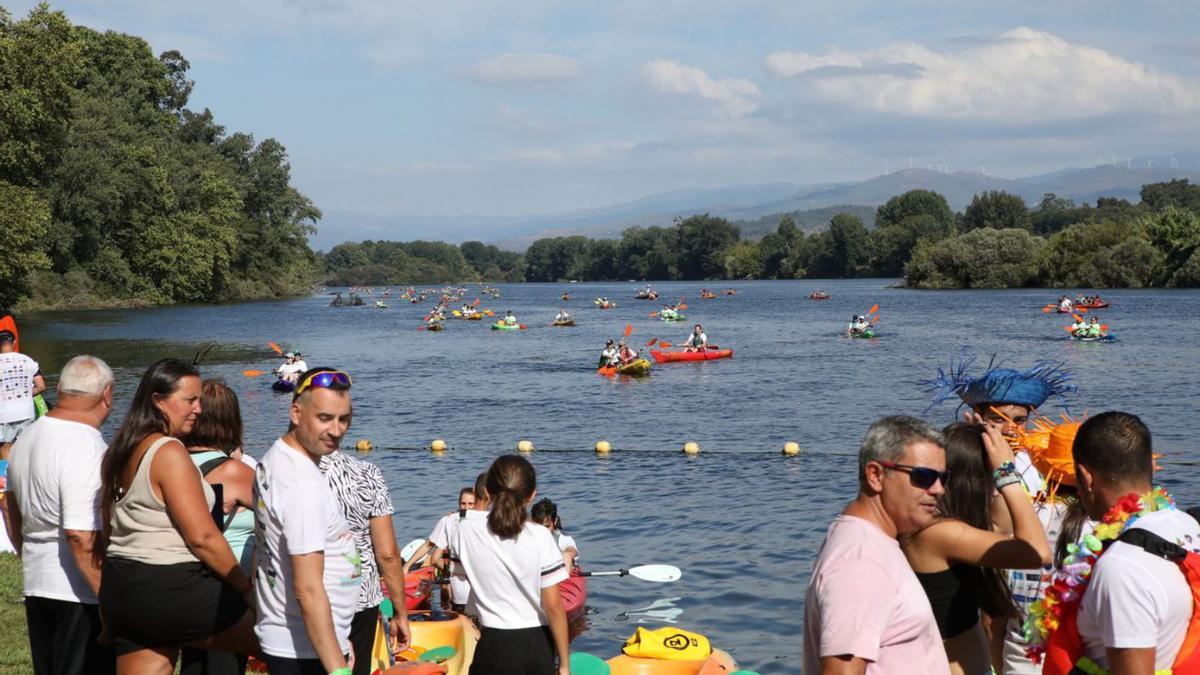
[(169, 577), (514, 568), (959, 559)]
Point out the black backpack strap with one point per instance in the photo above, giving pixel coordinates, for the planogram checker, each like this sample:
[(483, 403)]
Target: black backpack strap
[(1153, 544), (211, 464)]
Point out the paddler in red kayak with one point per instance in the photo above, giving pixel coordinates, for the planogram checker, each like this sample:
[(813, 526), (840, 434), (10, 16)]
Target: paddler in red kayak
[(545, 513), (697, 341)]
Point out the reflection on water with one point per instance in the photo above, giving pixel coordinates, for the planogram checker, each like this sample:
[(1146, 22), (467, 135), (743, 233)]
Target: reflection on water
[(743, 523)]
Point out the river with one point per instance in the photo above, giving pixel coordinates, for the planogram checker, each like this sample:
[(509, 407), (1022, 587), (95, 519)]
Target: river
[(740, 520)]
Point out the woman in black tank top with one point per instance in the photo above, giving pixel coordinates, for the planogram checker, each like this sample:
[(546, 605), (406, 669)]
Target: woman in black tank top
[(959, 559)]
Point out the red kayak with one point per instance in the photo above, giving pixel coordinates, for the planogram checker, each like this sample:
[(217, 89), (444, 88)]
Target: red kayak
[(709, 354), (417, 585), (574, 595)]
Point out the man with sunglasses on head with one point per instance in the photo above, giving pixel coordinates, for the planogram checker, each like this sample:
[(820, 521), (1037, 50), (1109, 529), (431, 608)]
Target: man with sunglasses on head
[(308, 566), (865, 612)]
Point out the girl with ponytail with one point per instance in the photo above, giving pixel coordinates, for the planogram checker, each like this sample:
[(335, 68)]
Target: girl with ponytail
[(514, 567)]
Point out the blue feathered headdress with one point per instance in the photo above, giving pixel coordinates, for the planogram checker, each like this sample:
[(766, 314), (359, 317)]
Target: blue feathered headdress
[(1004, 386)]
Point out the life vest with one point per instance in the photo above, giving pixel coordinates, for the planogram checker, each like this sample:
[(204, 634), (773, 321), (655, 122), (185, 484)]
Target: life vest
[(1064, 649)]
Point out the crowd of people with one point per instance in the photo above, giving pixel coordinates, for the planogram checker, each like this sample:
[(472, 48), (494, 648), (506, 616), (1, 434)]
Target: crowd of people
[(984, 547), (168, 545)]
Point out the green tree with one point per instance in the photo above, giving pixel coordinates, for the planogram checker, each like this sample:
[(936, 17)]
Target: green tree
[(902, 222), (24, 222), (997, 210), (1178, 193), (743, 261), (701, 245), (982, 258)]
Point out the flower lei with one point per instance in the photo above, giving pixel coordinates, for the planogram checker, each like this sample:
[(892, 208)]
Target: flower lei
[(1071, 580)]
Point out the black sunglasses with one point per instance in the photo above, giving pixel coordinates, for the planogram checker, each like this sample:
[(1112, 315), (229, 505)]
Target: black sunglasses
[(921, 477)]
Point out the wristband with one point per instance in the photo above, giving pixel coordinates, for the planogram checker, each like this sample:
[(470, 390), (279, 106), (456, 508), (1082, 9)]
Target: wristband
[(1006, 480), (342, 671)]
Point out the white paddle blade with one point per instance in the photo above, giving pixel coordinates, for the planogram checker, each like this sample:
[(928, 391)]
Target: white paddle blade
[(659, 573), (410, 548)]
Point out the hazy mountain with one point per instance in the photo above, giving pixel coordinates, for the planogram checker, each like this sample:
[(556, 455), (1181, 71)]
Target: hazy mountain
[(761, 202)]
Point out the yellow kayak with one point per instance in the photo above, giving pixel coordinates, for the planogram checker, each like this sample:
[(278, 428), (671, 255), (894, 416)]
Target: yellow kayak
[(444, 629), (635, 368)]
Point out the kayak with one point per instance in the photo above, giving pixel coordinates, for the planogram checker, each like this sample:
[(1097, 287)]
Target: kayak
[(717, 662), (1097, 338), (865, 335), (283, 386), (706, 355), (473, 317), (500, 325), (729, 292), (10, 324), (676, 319), (635, 368), (431, 630), (818, 296), (565, 322), (574, 595), (708, 296), (417, 585), (435, 327), (609, 305), (1101, 305), (645, 296)]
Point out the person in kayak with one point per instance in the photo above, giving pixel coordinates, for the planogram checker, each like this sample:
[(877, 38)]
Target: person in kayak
[(292, 366), (669, 313), (1093, 328), (545, 513), (562, 315), (625, 354), (609, 356), (858, 325), (1064, 304), (509, 319), (467, 311), (1079, 328), (466, 502), (697, 341)]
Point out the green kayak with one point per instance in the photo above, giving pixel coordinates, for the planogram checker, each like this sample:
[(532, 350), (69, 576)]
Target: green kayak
[(500, 325), (866, 334)]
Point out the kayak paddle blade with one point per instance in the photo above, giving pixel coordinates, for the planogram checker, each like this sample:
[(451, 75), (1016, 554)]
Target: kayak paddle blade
[(656, 573), (253, 373), (874, 308), (387, 608), (411, 548), (582, 663), (628, 329)]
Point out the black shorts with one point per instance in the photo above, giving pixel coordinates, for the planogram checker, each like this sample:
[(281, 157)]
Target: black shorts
[(520, 651), (63, 638), (164, 605)]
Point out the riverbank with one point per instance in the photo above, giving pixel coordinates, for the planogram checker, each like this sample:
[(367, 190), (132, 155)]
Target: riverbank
[(14, 640)]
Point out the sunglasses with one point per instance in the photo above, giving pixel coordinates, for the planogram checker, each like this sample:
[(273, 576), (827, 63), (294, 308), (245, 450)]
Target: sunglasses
[(921, 477), (322, 380)]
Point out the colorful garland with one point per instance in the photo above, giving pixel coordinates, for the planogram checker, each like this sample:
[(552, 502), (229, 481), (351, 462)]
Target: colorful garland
[(1071, 580)]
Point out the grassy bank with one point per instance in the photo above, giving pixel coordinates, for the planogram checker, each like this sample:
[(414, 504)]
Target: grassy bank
[(14, 641)]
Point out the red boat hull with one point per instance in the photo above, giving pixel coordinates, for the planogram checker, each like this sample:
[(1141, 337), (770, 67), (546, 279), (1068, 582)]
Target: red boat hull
[(707, 355), (574, 596)]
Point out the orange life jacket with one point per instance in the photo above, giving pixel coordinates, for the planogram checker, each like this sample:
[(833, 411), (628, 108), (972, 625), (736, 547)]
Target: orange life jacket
[(1064, 649)]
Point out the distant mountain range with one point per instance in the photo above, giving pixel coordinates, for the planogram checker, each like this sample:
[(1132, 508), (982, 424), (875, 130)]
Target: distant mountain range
[(756, 204)]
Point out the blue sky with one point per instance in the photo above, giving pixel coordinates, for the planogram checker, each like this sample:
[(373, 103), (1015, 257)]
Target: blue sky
[(513, 108)]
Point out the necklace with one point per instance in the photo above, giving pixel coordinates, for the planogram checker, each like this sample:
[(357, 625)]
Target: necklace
[(1072, 578)]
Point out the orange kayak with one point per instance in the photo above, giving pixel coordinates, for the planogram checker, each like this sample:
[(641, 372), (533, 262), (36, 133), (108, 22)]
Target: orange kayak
[(706, 355)]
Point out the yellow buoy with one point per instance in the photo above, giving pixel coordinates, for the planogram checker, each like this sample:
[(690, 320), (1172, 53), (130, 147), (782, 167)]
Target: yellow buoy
[(603, 448), (363, 445), (691, 448), (791, 449), (438, 446), (525, 446)]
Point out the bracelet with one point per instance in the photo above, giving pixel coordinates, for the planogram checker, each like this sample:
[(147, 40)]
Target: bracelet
[(342, 671), (1006, 480), (1005, 469)]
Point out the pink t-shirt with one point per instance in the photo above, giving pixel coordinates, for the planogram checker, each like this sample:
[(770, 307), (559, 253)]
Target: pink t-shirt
[(863, 599)]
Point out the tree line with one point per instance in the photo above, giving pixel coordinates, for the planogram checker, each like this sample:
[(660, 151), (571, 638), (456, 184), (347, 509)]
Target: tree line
[(376, 263), (113, 191)]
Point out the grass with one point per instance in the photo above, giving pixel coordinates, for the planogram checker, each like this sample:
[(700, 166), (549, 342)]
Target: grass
[(14, 640)]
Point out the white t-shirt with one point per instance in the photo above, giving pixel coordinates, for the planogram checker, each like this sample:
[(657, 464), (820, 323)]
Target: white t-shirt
[(566, 541), (507, 575), (1138, 600), (292, 368), (443, 534), (296, 513), (16, 387), (54, 474)]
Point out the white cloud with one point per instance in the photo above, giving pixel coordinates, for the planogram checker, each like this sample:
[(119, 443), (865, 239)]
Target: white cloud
[(1024, 75), (737, 97), (525, 69)]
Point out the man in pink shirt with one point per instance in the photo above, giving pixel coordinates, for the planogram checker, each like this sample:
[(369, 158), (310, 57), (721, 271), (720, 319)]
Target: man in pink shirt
[(865, 612)]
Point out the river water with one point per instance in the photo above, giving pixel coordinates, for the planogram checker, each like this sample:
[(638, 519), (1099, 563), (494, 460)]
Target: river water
[(743, 522)]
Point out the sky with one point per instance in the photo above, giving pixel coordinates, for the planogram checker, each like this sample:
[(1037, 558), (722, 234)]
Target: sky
[(546, 106)]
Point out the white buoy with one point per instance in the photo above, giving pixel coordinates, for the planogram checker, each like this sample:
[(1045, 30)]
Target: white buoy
[(437, 447), (691, 448), (603, 448), (791, 449), (525, 447)]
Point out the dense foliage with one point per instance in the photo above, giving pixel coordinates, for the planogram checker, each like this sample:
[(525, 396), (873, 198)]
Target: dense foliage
[(372, 263), (113, 191)]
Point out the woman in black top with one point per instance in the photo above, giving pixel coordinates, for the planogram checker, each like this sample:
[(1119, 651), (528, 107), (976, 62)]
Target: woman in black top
[(959, 559)]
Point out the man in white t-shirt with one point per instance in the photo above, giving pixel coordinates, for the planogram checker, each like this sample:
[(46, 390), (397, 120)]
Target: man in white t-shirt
[(54, 489), (1137, 607), (19, 383), (308, 567), (445, 558)]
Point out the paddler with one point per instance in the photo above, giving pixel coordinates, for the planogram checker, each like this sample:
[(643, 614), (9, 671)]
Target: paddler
[(509, 319), (292, 366), (609, 356), (669, 313), (1064, 304), (858, 325), (545, 513), (562, 315), (1093, 328), (625, 354), (697, 341), (1079, 328), (467, 310)]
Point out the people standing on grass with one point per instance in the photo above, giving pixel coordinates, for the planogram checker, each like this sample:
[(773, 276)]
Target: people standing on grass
[(169, 577), (308, 568), (363, 496), (53, 490)]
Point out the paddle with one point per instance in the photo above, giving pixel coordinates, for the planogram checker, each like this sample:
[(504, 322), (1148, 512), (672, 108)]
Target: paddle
[(664, 345), (275, 348), (610, 371), (254, 373), (657, 573)]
